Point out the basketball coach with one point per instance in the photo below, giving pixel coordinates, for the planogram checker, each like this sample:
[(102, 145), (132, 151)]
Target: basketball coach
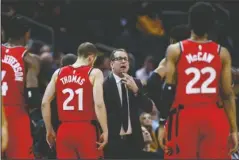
[(124, 99)]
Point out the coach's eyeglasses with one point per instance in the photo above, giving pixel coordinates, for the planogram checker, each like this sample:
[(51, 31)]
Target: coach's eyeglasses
[(121, 59)]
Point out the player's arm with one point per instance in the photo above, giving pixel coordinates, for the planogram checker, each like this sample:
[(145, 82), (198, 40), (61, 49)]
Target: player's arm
[(155, 81), (227, 94), (46, 101), (4, 121), (168, 91), (4, 131), (100, 109)]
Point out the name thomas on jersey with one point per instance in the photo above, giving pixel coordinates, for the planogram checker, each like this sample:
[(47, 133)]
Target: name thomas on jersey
[(72, 79)]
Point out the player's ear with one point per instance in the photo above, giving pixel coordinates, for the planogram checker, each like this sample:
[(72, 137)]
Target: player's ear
[(91, 59), (94, 61)]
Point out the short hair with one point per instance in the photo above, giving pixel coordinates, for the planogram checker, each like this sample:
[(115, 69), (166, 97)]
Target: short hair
[(201, 18), (180, 32), (112, 56), (17, 27), (68, 59), (85, 49), (36, 46)]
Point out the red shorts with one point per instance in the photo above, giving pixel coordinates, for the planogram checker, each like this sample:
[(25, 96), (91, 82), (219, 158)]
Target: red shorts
[(77, 140), (172, 133), (199, 132), (20, 139)]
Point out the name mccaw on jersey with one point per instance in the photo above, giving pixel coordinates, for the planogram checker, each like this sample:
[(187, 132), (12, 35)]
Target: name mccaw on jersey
[(12, 61), (206, 57), (72, 79)]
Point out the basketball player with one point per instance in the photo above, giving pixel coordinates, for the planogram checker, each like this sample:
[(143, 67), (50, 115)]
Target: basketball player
[(79, 94), (15, 61), (4, 131), (235, 76), (155, 81), (199, 66)]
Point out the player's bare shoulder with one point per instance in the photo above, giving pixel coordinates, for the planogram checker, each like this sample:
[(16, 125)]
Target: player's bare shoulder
[(35, 57), (173, 51), (162, 63), (96, 74), (32, 60), (225, 55), (55, 74)]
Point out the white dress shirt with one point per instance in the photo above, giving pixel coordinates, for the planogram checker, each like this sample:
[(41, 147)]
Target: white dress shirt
[(142, 74), (118, 83)]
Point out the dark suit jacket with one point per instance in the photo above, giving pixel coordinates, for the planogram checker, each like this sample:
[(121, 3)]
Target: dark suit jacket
[(113, 105)]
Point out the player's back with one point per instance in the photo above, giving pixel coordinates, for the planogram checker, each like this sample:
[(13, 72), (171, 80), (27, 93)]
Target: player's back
[(13, 75), (75, 94), (198, 73)]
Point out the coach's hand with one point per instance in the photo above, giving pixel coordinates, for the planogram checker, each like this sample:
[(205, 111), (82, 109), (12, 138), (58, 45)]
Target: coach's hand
[(51, 138), (103, 140), (233, 139), (130, 83)]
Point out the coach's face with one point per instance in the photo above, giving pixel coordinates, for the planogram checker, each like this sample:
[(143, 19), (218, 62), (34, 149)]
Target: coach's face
[(120, 63)]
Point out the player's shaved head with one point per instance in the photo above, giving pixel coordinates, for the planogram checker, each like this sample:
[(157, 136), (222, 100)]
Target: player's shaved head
[(68, 59), (201, 18)]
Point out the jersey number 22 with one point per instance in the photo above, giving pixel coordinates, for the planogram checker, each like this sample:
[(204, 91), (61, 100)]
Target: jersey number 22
[(197, 75)]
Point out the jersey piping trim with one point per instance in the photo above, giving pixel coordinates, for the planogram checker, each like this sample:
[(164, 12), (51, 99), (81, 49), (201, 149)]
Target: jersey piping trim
[(90, 70), (208, 41), (10, 47), (24, 53), (181, 51), (181, 46), (58, 74), (219, 49)]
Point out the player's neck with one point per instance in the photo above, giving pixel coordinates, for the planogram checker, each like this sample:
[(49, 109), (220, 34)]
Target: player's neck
[(13, 42), (81, 62), (194, 37)]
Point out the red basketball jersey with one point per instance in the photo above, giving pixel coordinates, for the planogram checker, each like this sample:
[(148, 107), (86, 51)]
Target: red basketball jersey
[(13, 75), (75, 94), (198, 73)]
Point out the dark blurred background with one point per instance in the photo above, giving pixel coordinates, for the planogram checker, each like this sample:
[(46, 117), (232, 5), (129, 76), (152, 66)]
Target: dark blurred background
[(139, 27)]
